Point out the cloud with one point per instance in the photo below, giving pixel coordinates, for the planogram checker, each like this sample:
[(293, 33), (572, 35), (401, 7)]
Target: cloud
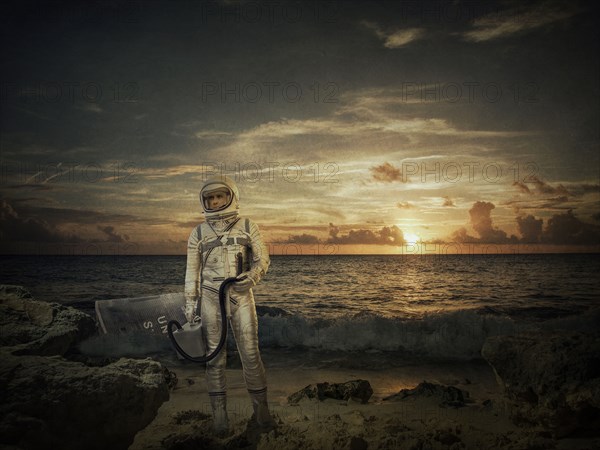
[(365, 120), (25, 225), (61, 216), (397, 38), (400, 38), (481, 221), (387, 173), (462, 236), (112, 236), (385, 236), (553, 202), (585, 187), (568, 229), (14, 228), (530, 228), (405, 205), (560, 229), (448, 202), (216, 134), (303, 239), (521, 19), (544, 188), (522, 187)]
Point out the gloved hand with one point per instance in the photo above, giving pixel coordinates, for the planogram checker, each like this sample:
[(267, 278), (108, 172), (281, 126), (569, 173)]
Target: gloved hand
[(190, 312), (247, 280)]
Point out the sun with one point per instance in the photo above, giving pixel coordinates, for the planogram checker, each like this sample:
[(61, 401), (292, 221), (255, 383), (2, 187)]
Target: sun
[(411, 238)]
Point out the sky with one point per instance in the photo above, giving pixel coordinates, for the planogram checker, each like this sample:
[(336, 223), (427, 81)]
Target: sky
[(349, 126)]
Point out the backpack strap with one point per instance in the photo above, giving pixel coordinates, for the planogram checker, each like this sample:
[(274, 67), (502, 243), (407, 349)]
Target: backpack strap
[(205, 249), (218, 242)]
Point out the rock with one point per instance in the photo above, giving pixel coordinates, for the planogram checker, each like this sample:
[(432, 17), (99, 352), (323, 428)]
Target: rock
[(189, 416), (170, 378), (357, 390), (448, 395), (549, 379), (309, 392), (358, 443), (33, 327), (49, 402), (488, 403), (447, 438)]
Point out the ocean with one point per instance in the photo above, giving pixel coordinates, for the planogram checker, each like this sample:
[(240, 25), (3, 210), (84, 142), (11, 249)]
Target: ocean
[(433, 306)]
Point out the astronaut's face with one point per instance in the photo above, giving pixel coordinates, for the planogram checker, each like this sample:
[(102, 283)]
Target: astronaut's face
[(216, 200)]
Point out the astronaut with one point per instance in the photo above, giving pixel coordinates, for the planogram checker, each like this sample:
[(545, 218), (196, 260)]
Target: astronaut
[(213, 255)]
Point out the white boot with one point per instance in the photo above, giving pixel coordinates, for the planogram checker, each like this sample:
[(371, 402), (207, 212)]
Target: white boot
[(220, 419), (261, 410)]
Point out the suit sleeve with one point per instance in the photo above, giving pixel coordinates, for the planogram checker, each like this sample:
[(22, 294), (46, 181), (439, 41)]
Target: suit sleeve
[(192, 270), (260, 254)]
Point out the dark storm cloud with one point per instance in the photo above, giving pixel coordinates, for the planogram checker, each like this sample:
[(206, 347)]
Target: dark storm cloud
[(462, 236), (385, 236), (585, 188), (481, 221), (568, 229), (111, 235), (42, 224), (530, 228), (15, 228), (522, 187), (545, 188), (308, 239), (560, 229), (551, 196)]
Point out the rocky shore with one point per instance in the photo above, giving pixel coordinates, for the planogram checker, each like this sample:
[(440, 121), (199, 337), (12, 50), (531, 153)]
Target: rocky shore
[(50, 399), (529, 392)]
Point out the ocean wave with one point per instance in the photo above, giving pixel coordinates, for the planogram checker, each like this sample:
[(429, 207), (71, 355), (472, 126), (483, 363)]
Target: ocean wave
[(457, 335), (454, 335)]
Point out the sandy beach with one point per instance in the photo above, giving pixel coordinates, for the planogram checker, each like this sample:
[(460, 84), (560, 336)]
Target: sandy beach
[(417, 422)]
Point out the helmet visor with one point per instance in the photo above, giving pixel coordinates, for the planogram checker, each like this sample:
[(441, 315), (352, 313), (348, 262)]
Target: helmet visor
[(217, 198)]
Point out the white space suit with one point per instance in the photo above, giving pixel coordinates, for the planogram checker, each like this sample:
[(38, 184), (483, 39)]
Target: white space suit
[(214, 249)]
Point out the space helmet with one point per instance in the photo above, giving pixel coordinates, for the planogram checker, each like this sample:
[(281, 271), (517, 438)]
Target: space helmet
[(224, 184)]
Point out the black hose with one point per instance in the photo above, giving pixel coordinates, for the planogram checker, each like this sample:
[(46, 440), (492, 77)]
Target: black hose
[(222, 300)]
